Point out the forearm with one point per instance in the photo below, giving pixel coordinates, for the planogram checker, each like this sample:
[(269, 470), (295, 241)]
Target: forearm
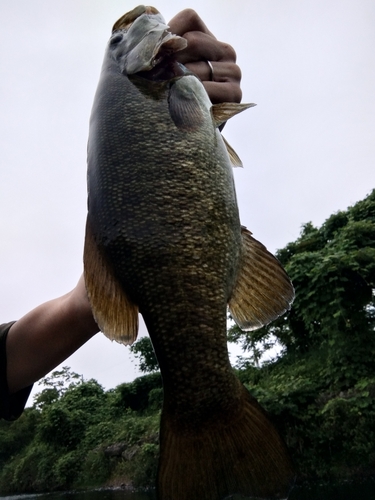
[(46, 336)]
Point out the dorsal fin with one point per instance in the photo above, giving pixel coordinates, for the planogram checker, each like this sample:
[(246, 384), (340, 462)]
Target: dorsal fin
[(225, 110), (233, 156)]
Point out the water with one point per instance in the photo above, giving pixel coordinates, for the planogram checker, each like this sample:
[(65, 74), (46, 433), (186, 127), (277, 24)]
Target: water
[(346, 491), (114, 494)]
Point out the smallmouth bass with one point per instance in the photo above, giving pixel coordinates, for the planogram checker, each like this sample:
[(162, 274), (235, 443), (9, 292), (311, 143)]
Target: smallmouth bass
[(163, 238)]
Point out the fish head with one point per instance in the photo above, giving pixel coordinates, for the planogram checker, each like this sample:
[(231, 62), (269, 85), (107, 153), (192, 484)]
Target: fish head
[(141, 42)]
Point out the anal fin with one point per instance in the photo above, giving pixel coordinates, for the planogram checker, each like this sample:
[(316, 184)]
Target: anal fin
[(263, 291), (115, 314)]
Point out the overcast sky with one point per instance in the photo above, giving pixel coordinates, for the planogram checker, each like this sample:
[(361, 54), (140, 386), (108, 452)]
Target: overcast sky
[(308, 147)]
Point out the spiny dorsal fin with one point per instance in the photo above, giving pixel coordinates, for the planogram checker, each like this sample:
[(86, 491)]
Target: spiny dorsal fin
[(115, 314), (263, 291), (233, 156), (225, 110)]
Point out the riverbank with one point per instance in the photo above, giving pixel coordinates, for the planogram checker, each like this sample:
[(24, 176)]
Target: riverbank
[(347, 490)]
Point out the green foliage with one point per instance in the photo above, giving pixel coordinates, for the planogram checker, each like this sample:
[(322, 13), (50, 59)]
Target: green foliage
[(64, 422), (73, 438), (61, 426), (14, 437), (144, 352), (55, 385), (136, 394), (29, 471), (66, 469), (330, 433), (256, 344), (146, 466), (96, 469)]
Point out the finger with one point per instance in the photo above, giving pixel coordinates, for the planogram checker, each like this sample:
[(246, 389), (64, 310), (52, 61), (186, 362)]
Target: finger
[(221, 72), (188, 20), (223, 92), (204, 47), (223, 84)]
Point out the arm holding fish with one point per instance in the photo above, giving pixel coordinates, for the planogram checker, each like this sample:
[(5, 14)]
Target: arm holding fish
[(221, 77), (46, 336)]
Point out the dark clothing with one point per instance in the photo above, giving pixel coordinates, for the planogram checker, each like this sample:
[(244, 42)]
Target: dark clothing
[(11, 405)]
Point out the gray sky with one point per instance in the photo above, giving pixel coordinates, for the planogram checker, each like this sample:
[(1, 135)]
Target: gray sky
[(308, 147)]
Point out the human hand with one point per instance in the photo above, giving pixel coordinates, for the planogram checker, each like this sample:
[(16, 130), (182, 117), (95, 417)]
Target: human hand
[(222, 83)]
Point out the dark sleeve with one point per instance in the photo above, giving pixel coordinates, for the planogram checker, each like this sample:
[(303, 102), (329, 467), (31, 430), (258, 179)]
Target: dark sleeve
[(11, 405)]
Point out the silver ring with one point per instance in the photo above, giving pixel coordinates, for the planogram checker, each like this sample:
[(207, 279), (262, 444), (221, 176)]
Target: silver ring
[(211, 70)]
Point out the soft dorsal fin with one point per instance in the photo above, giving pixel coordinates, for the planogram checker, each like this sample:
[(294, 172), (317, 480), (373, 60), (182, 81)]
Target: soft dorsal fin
[(233, 156), (263, 291), (115, 314), (225, 110)]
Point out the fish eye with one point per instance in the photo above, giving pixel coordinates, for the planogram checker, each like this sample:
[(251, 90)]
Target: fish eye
[(116, 39)]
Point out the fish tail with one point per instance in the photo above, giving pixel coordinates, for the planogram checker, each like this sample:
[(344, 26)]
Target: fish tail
[(245, 456)]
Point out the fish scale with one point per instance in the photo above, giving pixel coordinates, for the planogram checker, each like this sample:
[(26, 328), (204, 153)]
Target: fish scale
[(163, 236)]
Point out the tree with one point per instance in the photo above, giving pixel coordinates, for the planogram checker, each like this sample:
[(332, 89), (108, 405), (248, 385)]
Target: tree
[(56, 384), (144, 352)]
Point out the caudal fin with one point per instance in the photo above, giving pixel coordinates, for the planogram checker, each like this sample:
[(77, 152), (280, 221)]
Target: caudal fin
[(245, 457)]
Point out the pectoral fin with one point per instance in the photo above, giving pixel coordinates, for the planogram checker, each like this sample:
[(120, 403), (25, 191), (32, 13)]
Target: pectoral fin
[(115, 314), (184, 108), (263, 291)]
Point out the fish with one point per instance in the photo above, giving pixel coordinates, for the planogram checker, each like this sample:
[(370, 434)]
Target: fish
[(164, 239)]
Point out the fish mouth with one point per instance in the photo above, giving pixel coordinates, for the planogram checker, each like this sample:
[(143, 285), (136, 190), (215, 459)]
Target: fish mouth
[(142, 44), (167, 69), (163, 65)]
